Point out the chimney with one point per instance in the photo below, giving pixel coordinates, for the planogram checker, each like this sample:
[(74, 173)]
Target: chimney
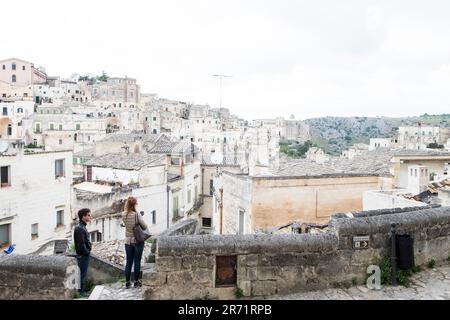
[(418, 178)]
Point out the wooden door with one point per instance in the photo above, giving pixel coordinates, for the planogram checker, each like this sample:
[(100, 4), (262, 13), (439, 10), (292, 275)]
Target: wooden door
[(226, 274)]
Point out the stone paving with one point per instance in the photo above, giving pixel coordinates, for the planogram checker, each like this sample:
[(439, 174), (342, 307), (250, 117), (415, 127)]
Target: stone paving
[(430, 284), (116, 291)]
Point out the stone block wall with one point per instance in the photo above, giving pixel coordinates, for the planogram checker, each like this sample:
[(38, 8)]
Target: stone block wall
[(38, 277), (185, 266)]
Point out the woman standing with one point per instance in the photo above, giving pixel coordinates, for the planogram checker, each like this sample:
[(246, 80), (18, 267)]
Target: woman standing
[(133, 248)]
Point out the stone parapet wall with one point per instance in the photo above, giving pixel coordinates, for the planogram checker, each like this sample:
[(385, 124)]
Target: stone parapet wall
[(430, 229), (38, 277), (186, 227), (278, 264)]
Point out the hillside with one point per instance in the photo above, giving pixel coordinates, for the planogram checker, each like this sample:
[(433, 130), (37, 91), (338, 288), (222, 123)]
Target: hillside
[(335, 134)]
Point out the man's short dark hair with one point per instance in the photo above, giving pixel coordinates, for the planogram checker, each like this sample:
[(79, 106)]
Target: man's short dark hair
[(83, 212)]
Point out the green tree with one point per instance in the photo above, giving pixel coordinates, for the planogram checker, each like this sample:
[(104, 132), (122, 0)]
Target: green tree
[(104, 77), (435, 145)]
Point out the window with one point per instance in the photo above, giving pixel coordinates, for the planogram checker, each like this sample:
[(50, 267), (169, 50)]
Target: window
[(13, 66), (9, 130), (60, 141), (211, 187), (415, 172), (154, 217), (34, 231), (196, 194), (59, 168), (5, 235), (206, 222), (37, 128), (60, 127), (175, 161), (52, 126), (241, 221), (175, 207), (189, 195), (13, 78), (5, 175), (23, 68), (59, 218), (5, 111), (4, 67), (95, 236), (154, 118)]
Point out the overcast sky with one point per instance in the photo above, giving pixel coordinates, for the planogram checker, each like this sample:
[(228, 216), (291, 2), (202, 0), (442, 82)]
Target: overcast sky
[(307, 58)]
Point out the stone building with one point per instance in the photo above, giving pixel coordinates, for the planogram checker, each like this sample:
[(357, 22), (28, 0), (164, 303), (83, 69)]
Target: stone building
[(356, 150), (163, 175), (211, 210), (317, 155), (12, 112), (437, 163), (120, 92), (35, 198), (300, 190), (21, 73), (418, 137), (53, 127), (286, 129), (382, 143), (8, 91), (110, 179)]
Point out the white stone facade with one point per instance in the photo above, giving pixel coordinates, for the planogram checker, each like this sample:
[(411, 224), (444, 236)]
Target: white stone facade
[(35, 206)]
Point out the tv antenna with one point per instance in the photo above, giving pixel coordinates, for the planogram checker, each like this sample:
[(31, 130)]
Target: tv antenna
[(221, 76)]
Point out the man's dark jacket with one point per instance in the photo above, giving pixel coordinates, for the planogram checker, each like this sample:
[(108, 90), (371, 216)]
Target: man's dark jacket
[(81, 237)]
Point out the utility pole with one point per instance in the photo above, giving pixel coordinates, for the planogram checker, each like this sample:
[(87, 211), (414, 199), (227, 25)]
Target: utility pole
[(221, 76)]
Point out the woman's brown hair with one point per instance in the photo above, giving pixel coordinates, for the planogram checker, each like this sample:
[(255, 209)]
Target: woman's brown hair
[(130, 205)]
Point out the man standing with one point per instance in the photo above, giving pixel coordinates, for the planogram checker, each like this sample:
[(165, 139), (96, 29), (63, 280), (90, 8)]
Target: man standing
[(82, 246)]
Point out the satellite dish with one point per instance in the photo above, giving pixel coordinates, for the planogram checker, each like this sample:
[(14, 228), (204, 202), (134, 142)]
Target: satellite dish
[(3, 146)]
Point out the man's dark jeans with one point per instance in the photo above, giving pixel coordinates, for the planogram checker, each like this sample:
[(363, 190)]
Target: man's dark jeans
[(83, 263), (134, 255)]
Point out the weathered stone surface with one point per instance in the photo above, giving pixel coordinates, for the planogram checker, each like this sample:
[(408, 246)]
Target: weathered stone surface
[(268, 273), (247, 260), (285, 259), (154, 278), (35, 277), (246, 287), (264, 288), (269, 263), (168, 263), (179, 277), (198, 261), (203, 276)]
